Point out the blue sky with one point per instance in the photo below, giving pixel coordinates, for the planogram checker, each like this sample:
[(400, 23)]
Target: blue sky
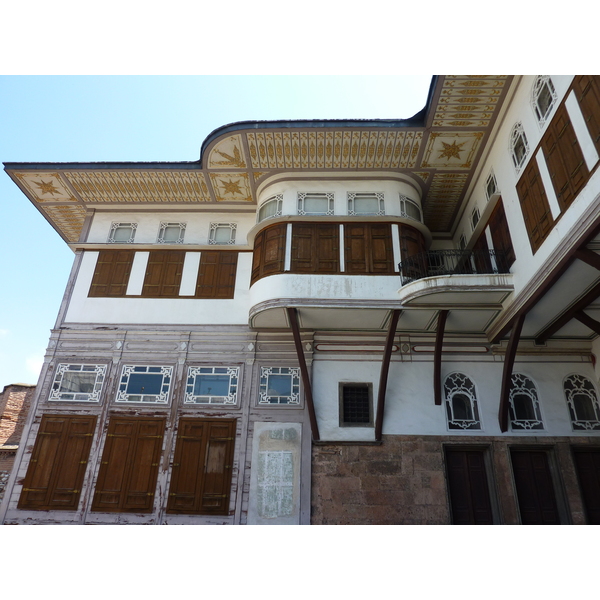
[(121, 118)]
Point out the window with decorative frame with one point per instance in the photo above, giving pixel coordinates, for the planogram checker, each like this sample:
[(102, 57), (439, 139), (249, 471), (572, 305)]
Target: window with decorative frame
[(144, 384), (366, 203), (279, 385), (409, 209), (543, 97), (462, 242), (222, 233), (122, 233), (519, 148), (212, 385), (462, 410), (491, 186), (582, 401), (171, 233), (271, 208), (313, 203), (474, 218), (523, 404), (77, 383)]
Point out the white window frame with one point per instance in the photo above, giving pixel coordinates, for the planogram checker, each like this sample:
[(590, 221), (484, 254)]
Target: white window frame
[(163, 228), (278, 201), (327, 197), (459, 383), (491, 182), (578, 384), (162, 398), (198, 371), (212, 236), (118, 225), (354, 196), (405, 201), (521, 384), (56, 395), (267, 399), (462, 242), (517, 135), (475, 216), (541, 82)]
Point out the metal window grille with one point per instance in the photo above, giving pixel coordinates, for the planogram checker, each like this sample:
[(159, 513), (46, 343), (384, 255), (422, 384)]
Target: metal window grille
[(356, 404)]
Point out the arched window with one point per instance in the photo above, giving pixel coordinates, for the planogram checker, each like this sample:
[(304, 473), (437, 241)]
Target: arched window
[(583, 403), (519, 148), (524, 405), (461, 402), (271, 208), (543, 97)]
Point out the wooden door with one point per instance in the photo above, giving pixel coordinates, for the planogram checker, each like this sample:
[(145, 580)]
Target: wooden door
[(468, 487), (535, 490), (587, 464)]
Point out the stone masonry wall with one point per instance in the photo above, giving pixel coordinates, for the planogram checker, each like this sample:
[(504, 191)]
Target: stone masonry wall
[(403, 480)]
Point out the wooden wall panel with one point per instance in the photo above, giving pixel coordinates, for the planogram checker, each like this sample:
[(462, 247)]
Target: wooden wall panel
[(111, 274)]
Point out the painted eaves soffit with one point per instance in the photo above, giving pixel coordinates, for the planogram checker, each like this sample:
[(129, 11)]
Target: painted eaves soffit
[(439, 147)]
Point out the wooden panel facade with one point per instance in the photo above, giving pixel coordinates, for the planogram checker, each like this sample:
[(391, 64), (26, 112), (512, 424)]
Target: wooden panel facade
[(368, 249), (111, 274), (216, 275), (587, 91), (163, 274), (315, 248), (269, 252)]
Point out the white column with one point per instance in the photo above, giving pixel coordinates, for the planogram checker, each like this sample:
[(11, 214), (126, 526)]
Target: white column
[(396, 246), (342, 263), (138, 272), (547, 181), (287, 265), (189, 276)]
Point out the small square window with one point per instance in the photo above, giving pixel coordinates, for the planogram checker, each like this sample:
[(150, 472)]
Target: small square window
[(222, 233), (212, 385), (279, 385), (410, 209), (77, 383), (366, 203), (144, 384), (271, 208), (518, 146), (122, 233), (356, 404), (171, 233), (315, 204), (462, 242), (491, 187), (543, 97), (474, 218)]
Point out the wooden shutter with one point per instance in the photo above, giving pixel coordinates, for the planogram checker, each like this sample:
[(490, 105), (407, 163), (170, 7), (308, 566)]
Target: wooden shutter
[(216, 276), (368, 248), (382, 254), (481, 254), (163, 274), (535, 492), (587, 90), (269, 252), (564, 158), (315, 248), (356, 242), (58, 463), (587, 463), (468, 487), (129, 467), (534, 205), (412, 246), (111, 274), (501, 235), (201, 478)]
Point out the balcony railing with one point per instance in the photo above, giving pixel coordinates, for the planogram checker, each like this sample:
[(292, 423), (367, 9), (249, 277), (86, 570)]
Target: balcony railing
[(452, 262)]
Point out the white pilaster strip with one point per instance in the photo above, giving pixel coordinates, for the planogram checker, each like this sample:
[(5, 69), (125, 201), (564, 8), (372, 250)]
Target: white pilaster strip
[(581, 131), (396, 246), (342, 263), (138, 272), (189, 276), (547, 181), (288, 248)]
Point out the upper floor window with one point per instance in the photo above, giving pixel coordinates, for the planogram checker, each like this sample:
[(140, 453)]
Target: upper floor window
[(315, 203), (524, 405), (410, 209), (145, 384), (491, 187), (543, 97), (279, 385), (519, 147), (78, 383), (212, 385), (462, 242), (474, 218), (583, 403), (361, 203), (122, 233), (171, 233), (461, 402), (271, 208), (222, 233)]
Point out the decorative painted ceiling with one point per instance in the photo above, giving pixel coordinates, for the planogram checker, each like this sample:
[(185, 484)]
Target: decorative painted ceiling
[(441, 150)]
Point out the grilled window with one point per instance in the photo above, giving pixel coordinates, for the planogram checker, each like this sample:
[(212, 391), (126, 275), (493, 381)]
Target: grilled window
[(356, 404)]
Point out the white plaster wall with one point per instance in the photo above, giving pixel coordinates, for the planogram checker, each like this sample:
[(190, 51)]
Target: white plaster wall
[(197, 225), (410, 408), (167, 311)]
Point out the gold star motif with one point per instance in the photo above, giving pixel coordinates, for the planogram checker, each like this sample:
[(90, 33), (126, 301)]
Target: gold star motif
[(452, 150), (47, 187), (231, 187)]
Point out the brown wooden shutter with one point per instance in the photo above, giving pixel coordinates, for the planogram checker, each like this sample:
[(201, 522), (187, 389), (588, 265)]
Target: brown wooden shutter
[(500, 234), (534, 205), (163, 274), (357, 248), (111, 274), (368, 248), (315, 248), (412, 245), (564, 158), (587, 463), (382, 254), (481, 254), (201, 479), (58, 463), (468, 487), (216, 275), (269, 252), (587, 90), (129, 467)]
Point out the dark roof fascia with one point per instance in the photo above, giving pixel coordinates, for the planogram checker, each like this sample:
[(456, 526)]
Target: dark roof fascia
[(91, 166)]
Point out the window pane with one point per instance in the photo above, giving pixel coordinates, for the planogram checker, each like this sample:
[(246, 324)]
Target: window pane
[(78, 382), (316, 204), (461, 406), (269, 209), (211, 385), (279, 385), (171, 233), (144, 383), (523, 408), (366, 205), (222, 235), (122, 234), (584, 407)]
